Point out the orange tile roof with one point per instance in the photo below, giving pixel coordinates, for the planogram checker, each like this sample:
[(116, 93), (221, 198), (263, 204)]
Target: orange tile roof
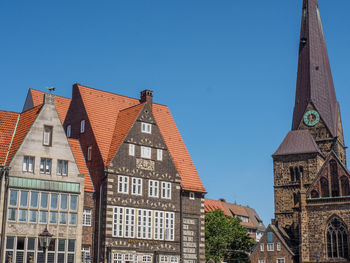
[(62, 103), (80, 161), (8, 122), (26, 120), (125, 120), (102, 103), (211, 205)]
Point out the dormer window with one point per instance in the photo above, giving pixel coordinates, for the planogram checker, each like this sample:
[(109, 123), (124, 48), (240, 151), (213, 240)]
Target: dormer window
[(146, 127), (47, 140), (69, 130), (82, 126)]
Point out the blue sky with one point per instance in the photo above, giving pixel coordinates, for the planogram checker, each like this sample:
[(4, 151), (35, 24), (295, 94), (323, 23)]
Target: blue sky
[(227, 70)]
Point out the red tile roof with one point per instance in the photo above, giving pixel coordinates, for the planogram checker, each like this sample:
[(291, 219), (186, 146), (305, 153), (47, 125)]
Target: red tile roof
[(8, 122), (80, 161), (109, 105), (297, 142), (125, 120), (62, 103), (211, 205)]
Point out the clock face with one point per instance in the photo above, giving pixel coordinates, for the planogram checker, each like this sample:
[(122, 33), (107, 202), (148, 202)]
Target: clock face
[(311, 118)]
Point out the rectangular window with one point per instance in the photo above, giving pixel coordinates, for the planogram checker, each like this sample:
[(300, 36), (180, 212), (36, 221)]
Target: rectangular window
[(261, 261), (85, 254), (146, 258), (158, 225), (166, 190), (159, 154), (28, 164), (64, 202), (73, 203), (118, 219), (43, 217), (132, 149), (164, 259), (12, 212), (191, 195), (261, 247), (270, 247), (117, 258), (278, 246), (169, 226), (174, 259), (146, 127), (144, 224), (69, 130), (24, 199), (123, 184), (87, 217), (63, 218), (136, 186), (54, 201), (13, 197), (129, 230), (73, 219), (89, 153), (153, 188), (62, 167), (280, 260), (145, 152), (44, 200), (47, 140), (33, 216), (82, 126), (34, 197), (53, 217), (45, 165)]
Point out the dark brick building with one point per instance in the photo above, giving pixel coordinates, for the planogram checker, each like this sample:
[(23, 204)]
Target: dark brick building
[(311, 181)]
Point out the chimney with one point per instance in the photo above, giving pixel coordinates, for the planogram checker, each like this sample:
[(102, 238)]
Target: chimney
[(49, 99), (222, 200), (146, 96)]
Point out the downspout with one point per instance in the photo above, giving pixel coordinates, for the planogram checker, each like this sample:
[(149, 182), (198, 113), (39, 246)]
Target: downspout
[(5, 171)]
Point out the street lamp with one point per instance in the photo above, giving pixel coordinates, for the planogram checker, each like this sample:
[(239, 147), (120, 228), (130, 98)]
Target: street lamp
[(44, 241), (317, 257)]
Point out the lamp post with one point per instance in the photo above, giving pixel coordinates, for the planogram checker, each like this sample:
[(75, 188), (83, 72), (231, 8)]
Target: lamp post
[(44, 240), (317, 257)]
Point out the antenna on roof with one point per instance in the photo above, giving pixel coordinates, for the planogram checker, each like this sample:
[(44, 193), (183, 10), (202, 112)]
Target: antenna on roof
[(51, 89)]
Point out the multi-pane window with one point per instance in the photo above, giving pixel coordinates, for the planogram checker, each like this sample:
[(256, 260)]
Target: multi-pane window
[(27, 249), (261, 261), (45, 165), (136, 186), (47, 140), (280, 260), (69, 130), (85, 254), (146, 258), (159, 154), (151, 224), (145, 152), (123, 184), (62, 167), (82, 126), (87, 217), (270, 247), (117, 258), (131, 149), (43, 207), (164, 259), (261, 247), (146, 127), (278, 246), (28, 164), (89, 153), (153, 188), (166, 190)]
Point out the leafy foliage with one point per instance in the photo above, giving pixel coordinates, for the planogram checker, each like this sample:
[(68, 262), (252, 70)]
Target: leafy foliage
[(225, 239)]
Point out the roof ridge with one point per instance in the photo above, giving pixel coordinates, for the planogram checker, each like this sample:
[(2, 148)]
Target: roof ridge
[(9, 111), (53, 94)]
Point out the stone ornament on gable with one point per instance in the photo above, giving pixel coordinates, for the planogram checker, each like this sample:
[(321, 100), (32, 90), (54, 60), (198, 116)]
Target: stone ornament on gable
[(145, 164)]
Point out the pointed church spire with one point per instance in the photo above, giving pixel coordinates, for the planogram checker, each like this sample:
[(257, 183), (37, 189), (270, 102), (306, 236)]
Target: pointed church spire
[(314, 81)]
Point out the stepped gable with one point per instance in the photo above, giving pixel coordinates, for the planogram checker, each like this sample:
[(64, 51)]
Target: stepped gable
[(62, 103), (125, 120), (297, 142), (80, 161), (314, 80), (99, 103), (26, 120), (8, 122)]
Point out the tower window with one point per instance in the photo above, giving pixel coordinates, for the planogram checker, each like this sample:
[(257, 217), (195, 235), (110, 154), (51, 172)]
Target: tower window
[(324, 187), (291, 170), (314, 194), (337, 239), (334, 178)]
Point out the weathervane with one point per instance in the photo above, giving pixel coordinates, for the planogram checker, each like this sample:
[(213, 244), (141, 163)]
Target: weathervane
[(51, 89)]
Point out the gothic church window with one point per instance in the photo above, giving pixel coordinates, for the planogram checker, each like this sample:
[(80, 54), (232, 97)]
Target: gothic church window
[(334, 178), (337, 239), (345, 188), (324, 187), (291, 174), (314, 194)]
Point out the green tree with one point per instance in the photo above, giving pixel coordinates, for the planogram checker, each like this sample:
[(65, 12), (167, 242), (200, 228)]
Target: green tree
[(225, 239)]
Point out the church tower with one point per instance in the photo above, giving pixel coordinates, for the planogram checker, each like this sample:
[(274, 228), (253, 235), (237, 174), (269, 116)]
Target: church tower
[(311, 181)]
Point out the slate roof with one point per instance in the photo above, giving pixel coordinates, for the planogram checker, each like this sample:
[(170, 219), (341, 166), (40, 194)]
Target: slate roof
[(297, 142), (8, 122), (314, 81), (80, 161)]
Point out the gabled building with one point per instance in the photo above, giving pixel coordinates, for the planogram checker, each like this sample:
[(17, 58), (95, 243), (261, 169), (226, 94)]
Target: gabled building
[(248, 216), (43, 180), (311, 180)]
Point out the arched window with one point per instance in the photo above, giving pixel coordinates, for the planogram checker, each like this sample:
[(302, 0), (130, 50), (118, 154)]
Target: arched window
[(292, 178), (345, 188), (297, 174), (334, 178), (314, 194), (296, 198), (324, 187), (337, 239)]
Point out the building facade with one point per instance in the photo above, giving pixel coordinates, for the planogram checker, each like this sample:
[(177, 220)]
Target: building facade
[(311, 180)]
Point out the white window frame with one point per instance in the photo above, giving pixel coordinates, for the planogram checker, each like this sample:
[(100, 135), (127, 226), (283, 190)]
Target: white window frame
[(146, 152), (45, 165), (153, 188), (261, 261), (28, 164), (262, 247), (132, 149), (69, 130), (278, 246), (146, 127), (85, 253), (146, 258), (280, 260), (61, 164), (129, 222), (166, 190), (82, 126), (159, 154), (158, 225), (47, 137), (118, 221), (89, 153), (270, 247), (192, 196), (87, 216), (136, 186), (123, 184), (169, 226)]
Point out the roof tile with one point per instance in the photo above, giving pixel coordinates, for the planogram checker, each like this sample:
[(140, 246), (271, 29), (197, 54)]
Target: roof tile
[(8, 122)]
